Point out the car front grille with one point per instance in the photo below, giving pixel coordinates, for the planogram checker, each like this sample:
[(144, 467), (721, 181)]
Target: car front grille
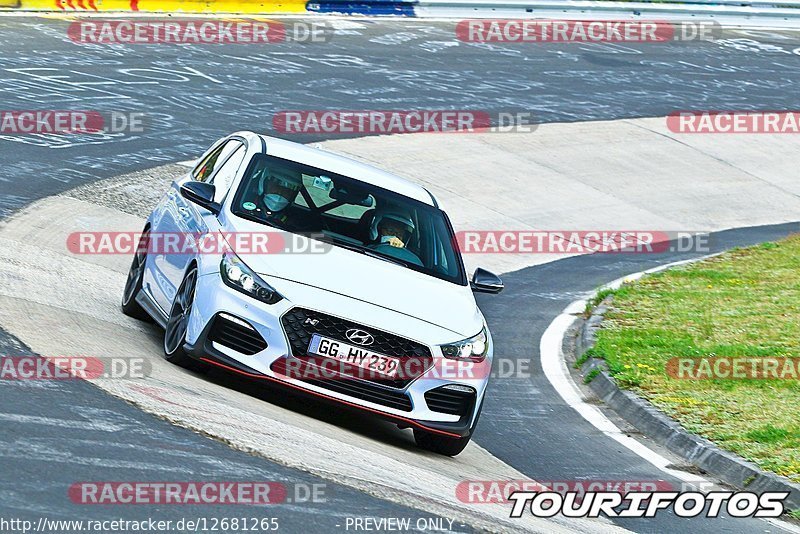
[(229, 332), (360, 389), (450, 401), (301, 323)]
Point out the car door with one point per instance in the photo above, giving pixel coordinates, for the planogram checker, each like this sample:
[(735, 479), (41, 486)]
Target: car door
[(181, 220)]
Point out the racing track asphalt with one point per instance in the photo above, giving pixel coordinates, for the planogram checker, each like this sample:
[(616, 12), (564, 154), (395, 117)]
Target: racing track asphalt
[(56, 434), (194, 94), (409, 64)]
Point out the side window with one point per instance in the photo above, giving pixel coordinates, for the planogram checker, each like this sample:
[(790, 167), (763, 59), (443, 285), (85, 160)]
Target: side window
[(225, 175), (207, 167)]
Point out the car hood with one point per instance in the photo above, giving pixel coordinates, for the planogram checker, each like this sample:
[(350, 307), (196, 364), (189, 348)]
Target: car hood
[(372, 280)]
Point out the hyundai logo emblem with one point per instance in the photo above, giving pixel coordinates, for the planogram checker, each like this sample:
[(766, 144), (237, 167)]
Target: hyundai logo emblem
[(359, 336)]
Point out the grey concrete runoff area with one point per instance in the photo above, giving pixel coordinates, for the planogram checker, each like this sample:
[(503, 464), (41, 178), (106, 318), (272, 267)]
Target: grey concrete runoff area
[(602, 159)]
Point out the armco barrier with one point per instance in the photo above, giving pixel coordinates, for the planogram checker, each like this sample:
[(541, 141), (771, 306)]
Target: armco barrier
[(778, 13), (772, 13), (755, 13), (167, 6), (363, 7)]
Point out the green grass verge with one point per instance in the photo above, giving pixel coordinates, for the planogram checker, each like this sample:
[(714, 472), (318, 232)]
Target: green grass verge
[(597, 299), (743, 303)]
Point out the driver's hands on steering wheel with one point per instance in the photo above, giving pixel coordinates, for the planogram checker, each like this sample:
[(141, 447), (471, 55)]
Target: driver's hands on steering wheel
[(396, 242)]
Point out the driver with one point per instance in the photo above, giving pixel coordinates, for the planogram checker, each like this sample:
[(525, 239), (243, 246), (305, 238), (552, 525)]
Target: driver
[(391, 227), (278, 188)]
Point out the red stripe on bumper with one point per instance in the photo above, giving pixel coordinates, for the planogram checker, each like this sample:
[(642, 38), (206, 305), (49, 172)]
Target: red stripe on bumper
[(410, 422)]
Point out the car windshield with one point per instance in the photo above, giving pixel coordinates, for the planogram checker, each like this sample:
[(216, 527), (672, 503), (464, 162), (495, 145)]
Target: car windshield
[(350, 214)]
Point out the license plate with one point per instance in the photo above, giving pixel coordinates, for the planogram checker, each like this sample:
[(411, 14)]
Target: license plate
[(353, 355)]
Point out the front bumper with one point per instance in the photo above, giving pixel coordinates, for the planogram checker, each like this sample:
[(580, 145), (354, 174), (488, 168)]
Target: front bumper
[(216, 298)]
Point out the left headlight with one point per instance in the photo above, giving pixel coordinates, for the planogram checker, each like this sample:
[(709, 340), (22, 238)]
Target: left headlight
[(474, 348), (240, 277)]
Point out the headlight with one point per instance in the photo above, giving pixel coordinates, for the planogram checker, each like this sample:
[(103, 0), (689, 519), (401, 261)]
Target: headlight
[(474, 348), (241, 278)]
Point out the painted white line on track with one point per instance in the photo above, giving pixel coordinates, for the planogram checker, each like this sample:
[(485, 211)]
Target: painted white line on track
[(555, 368)]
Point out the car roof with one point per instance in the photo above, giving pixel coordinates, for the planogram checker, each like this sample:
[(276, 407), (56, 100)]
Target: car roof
[(337, 164)]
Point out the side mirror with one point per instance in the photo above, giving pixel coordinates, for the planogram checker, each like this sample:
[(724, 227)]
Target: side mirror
[(485, 282), (202, 194)]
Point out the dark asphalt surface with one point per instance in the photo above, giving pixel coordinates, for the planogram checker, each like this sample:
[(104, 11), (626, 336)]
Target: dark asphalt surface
[(195, 94), (59, 433)]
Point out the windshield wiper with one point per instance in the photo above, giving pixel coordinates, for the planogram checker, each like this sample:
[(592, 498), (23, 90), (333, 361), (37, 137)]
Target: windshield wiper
[(368, 252), (386, 257), (265, 221), (344, 244)]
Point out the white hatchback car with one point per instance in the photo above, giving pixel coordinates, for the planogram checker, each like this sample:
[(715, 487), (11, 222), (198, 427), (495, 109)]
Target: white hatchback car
[(364, 301)]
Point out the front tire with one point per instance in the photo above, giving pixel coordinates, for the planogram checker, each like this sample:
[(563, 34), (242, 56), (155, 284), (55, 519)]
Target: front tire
[(178, 324), (133, 286)]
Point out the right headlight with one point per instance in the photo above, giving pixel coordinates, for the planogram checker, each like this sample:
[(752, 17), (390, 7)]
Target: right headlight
[(473, 349), (240, 277)]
